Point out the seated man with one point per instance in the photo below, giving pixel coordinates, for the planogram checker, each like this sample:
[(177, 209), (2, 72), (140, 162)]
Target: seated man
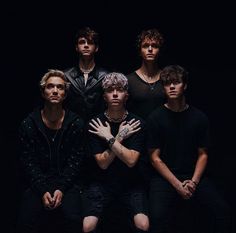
[(178, 142), (52, 152), (117, 142)]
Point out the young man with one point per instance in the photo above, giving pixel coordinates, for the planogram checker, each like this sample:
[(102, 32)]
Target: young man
[(85, 93), (178, 142), (117, 142), (52, 152), (145, 90)]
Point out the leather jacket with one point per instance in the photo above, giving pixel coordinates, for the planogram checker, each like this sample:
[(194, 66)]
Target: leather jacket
[(85, 100)]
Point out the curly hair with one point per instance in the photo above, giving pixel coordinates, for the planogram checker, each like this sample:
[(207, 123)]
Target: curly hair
[(115, 79), (151, 34)]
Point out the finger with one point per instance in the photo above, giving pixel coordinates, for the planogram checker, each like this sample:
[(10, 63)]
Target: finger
[(93, 132), (136, 130), (95, 122), (131, 121), (93, 126), (107, 124), (100, 123)]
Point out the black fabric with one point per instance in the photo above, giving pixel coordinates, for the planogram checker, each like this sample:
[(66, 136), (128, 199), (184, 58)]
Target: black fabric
[(118, 173), (85, 100), (142, 100), (36, 153), (34, 217), (178, 135), (166, 204)]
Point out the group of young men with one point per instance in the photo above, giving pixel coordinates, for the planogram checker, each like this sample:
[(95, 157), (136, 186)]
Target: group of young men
[(82, 149)]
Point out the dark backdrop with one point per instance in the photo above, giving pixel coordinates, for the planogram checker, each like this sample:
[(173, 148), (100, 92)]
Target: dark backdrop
[(199, 36)]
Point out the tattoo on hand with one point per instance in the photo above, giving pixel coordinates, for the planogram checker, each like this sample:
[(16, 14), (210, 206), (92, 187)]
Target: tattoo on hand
[(123, 132)]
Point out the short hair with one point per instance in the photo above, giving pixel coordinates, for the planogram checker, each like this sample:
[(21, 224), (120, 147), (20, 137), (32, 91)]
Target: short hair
[(151, 34), (173, 73), (56, 73), (115, 79), (87, 33)]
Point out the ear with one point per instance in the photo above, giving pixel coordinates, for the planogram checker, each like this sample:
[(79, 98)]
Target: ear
[(97, 48), (185, 86), (105, 97)]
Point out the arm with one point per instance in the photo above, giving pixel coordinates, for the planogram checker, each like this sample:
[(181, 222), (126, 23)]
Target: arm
[(200, 165), (29, 159), (129, 157), (161, 167)]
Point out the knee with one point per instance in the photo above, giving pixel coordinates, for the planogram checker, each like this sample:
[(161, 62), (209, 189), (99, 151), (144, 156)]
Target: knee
[(89, 223), (141, 222)]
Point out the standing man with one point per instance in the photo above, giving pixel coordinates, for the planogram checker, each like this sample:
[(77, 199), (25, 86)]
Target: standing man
[(178, 142), (51, 140), (85, 92), (117, 142)]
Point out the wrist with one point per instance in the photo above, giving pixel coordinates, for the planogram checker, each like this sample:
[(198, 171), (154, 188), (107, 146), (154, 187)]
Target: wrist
[(111, 141), (195, 182)]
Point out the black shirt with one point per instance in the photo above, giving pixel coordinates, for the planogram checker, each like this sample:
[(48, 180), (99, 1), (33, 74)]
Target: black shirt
[(144, 97), (118, 172), (178, 135)]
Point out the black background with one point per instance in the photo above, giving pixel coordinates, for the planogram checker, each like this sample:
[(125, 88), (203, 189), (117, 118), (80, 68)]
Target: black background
[(199, 36)]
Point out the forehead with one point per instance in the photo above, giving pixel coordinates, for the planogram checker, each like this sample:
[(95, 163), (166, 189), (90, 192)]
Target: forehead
[(55, 80)]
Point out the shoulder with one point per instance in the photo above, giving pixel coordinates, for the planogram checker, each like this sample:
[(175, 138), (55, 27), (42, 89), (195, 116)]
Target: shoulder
[(75, 120), (199, 113), (136, 117), (72, 72), (101, 71)]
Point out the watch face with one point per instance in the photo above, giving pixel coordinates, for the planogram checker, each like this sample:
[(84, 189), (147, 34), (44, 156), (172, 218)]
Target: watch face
[(111, 141)]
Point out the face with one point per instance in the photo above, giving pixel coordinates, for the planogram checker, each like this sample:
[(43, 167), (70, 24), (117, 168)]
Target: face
[(54, 91), (85, 47), (115, 96), (149, 50), (175, 89)]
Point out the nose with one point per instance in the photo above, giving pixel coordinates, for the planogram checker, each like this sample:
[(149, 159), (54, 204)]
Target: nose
[(149, 47), (55, 90), (114, 92), (172, 86)]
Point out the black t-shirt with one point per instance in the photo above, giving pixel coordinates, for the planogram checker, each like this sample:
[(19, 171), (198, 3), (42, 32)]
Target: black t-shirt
[(144, 97), (118, 173), (178, 135)]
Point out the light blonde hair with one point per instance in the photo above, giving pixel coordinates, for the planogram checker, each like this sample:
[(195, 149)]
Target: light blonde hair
[(56, 73)]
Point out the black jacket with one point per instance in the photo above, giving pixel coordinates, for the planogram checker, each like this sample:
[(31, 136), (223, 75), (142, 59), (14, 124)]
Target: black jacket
[(37, 153), (87, 100)]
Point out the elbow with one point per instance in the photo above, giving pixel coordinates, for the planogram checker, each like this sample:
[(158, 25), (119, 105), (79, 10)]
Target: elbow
[(103, 166), (131, 163)]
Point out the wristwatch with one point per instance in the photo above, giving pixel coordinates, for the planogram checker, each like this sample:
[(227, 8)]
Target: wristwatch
[(111, 141)]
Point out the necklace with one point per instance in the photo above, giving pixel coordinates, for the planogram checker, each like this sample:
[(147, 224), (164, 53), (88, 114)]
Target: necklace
[(55, 135), (150, 84), (116, 120)]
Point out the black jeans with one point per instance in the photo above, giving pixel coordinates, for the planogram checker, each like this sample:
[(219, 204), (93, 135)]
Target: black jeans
[(164, 199), (33, 215)]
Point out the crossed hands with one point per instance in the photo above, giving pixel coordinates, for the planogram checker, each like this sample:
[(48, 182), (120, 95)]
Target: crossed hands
[(52, 202), (186, 189), (126, 129)]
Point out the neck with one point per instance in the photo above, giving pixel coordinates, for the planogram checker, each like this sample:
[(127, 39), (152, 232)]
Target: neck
[(149, 70), (86, 65), (53, 116), (117, 115), (177, 105)]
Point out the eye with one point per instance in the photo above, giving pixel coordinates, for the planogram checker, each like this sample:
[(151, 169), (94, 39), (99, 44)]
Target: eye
[(49, 86)]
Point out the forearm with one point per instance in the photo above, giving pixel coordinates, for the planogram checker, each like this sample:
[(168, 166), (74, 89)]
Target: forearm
[(161, 167), (105, 159), (129, 157), (200, 167)]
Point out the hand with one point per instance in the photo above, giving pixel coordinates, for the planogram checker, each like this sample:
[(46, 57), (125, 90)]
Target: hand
[(103, 131), (57, 198), (127, 129), (190, 185), (183, 191), (48, 201)]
